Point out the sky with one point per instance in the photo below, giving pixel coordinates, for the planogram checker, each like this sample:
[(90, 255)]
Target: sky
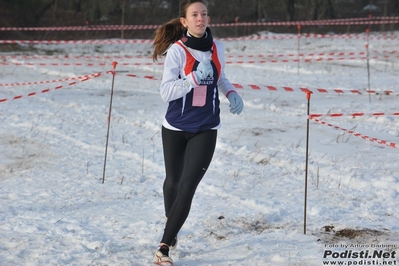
[(249, 208)]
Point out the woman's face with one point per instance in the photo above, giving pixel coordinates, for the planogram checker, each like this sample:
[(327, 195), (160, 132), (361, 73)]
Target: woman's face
[(196, 19)]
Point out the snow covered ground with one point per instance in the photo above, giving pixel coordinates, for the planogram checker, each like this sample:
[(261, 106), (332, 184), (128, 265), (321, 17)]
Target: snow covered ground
[(249, 208)]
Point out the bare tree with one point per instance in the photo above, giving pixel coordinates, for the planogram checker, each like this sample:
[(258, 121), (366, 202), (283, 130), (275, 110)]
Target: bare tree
[(322, 9), (330, 9), (290, 9)]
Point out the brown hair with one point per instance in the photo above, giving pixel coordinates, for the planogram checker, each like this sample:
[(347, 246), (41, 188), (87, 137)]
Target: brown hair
[(172, 30)]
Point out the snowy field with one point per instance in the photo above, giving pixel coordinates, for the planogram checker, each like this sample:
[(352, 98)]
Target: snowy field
[(249, 208)]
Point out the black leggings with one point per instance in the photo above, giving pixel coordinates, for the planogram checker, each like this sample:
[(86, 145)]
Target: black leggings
[(187, 157)]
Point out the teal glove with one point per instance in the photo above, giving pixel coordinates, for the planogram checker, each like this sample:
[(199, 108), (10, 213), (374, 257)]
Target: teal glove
[(236, 103)]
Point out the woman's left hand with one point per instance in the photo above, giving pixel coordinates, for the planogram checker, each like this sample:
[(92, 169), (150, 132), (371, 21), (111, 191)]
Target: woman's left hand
[(236, 103)]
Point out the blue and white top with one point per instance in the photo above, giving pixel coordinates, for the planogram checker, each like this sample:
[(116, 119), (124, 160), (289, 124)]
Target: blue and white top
[(181, 115)]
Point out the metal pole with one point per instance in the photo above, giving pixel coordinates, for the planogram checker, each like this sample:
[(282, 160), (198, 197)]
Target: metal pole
[(299, 45), (368, 66), (308, 94), (368, 63), (109, 119)]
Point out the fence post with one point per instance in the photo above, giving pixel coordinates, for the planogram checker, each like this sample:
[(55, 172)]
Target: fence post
[(109, 119), (308, 95), (299, 46), (368, 62)]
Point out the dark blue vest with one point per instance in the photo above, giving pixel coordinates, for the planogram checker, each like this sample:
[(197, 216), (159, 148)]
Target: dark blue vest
[(182, 114)]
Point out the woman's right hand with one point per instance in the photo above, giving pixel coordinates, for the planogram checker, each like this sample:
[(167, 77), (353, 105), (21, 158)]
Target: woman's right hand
[(204, 69)]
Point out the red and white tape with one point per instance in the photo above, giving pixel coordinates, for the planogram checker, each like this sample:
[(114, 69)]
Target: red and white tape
[(48, 90), (385, 37), (236, 85), (356, 134), (384, 54), (97, 42), (77, 64), (68, 57), (349, 21), (28, 83), (305, 90), (358, 114), (246, 61), (288, 89), (308, 60), (375, 36)]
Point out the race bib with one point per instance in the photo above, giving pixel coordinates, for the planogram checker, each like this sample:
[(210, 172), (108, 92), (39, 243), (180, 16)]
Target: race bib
[(199, 96)]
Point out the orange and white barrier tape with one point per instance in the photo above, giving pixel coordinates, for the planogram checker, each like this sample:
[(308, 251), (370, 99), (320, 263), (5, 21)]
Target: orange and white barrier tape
[(305, 90), (386, 53), (349, 21), (375, 36), (356, 134), (329, 56), (228, 62), (236, 85), (288, 89), (357, 114), (68, 57), (48, 90), (29, 83), (77, 64), (96, 42)]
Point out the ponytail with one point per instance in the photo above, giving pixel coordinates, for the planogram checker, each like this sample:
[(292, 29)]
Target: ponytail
[(164, 36)]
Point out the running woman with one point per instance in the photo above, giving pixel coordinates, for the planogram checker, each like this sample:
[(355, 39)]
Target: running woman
[(192, 79)]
